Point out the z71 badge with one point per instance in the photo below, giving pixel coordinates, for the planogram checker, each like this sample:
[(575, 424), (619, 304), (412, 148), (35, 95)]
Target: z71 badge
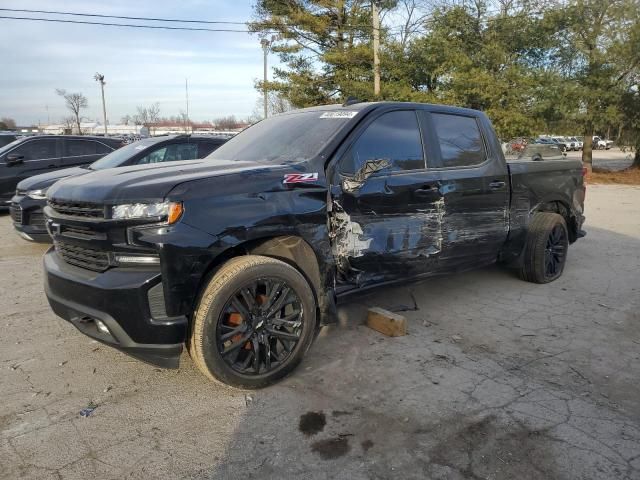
[(300, 178)]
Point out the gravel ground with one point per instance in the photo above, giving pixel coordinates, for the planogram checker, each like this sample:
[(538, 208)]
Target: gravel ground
[(497, 379)]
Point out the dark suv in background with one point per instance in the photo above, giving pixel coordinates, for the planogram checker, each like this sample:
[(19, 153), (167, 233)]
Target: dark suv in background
[(31, 156), (30, 196), (7, 138)]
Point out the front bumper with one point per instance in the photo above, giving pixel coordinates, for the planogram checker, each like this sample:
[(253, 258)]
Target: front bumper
[(28, 218), (123, 299)]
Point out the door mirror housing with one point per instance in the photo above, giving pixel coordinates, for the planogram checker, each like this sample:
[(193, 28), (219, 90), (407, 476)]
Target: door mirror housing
[(369, 168), (14, 159)]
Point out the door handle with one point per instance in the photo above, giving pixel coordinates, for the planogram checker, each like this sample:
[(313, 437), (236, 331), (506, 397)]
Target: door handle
[(496, 185), (426, 190)]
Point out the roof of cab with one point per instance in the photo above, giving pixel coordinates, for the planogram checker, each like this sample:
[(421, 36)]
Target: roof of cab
[(361, 106)]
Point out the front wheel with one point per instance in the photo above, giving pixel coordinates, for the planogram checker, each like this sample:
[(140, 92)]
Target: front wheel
[(545, 251), (254, 322)]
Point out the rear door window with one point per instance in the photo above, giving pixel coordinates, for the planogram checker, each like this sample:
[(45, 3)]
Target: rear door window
[(205, 148), (79, 148), (393, 136), (459, 140), (170, 153), (37, 149), (102, 149)]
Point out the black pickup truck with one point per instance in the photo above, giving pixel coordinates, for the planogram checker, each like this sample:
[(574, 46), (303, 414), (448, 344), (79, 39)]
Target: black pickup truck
[(244, 254)]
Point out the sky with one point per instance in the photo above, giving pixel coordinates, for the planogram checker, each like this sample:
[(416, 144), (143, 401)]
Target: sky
[(140, 66)]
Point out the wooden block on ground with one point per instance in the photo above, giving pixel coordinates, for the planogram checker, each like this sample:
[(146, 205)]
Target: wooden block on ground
[(384, 321)]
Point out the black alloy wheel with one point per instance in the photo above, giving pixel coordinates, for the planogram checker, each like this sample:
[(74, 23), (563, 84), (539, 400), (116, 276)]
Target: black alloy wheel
[(254, 322), (545, 251), (260, 326), (555, 251)]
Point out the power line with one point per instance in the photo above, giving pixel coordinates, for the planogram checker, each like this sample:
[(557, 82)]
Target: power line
[(276, 28), (157, 19), (123, 17), (129, 25)]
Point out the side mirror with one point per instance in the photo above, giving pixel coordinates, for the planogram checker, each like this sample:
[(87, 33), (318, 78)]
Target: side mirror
[(369, 168), (14, 158)]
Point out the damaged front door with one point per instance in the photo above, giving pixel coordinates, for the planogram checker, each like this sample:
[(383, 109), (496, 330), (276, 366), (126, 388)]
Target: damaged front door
[(386, 208)]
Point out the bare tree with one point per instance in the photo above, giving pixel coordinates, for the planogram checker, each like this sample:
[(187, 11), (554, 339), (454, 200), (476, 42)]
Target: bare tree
[(147, 116), (68, 124), (154, 112), (414, 15), (75, 102), (226, 123), (276, 104), (126, 120)]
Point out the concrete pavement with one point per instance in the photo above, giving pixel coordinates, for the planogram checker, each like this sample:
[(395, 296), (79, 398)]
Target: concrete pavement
[(497, 379)]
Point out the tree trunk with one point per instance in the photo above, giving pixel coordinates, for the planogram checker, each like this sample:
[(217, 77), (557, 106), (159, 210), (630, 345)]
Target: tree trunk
[(78, 124), (587, 156)]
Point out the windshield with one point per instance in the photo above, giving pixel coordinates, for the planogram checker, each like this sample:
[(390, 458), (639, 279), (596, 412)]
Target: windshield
[(289, 138), (118, 157), (9, 146)]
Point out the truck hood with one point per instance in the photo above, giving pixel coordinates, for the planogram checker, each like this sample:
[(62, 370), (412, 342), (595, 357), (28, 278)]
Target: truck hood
[(146, 183), (44, 180)]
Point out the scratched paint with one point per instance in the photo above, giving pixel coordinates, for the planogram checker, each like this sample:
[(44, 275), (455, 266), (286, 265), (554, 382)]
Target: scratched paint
[(418, 234), (468, 226), (423, 234)]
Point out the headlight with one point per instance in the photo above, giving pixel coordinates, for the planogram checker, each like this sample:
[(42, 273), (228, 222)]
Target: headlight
[(171, 211), (37, 194)]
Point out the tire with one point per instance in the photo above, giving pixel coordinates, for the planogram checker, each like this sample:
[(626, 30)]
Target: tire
[(545, 247), (236, 286)]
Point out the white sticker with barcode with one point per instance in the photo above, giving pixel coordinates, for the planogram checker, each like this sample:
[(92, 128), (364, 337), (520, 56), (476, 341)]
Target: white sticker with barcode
[(339, 114)]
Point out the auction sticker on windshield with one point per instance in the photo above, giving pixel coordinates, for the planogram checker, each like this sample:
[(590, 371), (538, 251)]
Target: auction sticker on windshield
[(348, 114)]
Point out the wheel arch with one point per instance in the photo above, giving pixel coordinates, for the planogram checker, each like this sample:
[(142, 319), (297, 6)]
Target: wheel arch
[(291, 249), (562, 208)]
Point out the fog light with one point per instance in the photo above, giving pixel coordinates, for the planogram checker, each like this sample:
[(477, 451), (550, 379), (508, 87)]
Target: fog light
[(102, 327), (144, 260)]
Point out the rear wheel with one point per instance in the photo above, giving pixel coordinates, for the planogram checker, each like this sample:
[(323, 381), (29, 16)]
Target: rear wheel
[(545, 251), (254, 322)]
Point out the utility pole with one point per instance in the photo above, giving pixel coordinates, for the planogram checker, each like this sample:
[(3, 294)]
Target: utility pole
[(265, 50), (100, 78), (186, 91), (376, 47)]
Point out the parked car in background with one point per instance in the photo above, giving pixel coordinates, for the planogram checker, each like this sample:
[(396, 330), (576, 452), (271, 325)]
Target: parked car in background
[(570, 144), (6, 138), (601, 144), (517, 145), (562, 141), (30, 196), (29, 156), (577, 143), (244, 254), (551, 141)]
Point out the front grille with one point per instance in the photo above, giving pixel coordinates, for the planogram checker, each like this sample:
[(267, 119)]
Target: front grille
[(16, 214), (77, 209), (36, 219), (88, 258), (84, 233)]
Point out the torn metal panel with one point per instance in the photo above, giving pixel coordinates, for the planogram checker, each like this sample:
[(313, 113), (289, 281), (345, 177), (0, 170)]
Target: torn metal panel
[(362, 239)]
